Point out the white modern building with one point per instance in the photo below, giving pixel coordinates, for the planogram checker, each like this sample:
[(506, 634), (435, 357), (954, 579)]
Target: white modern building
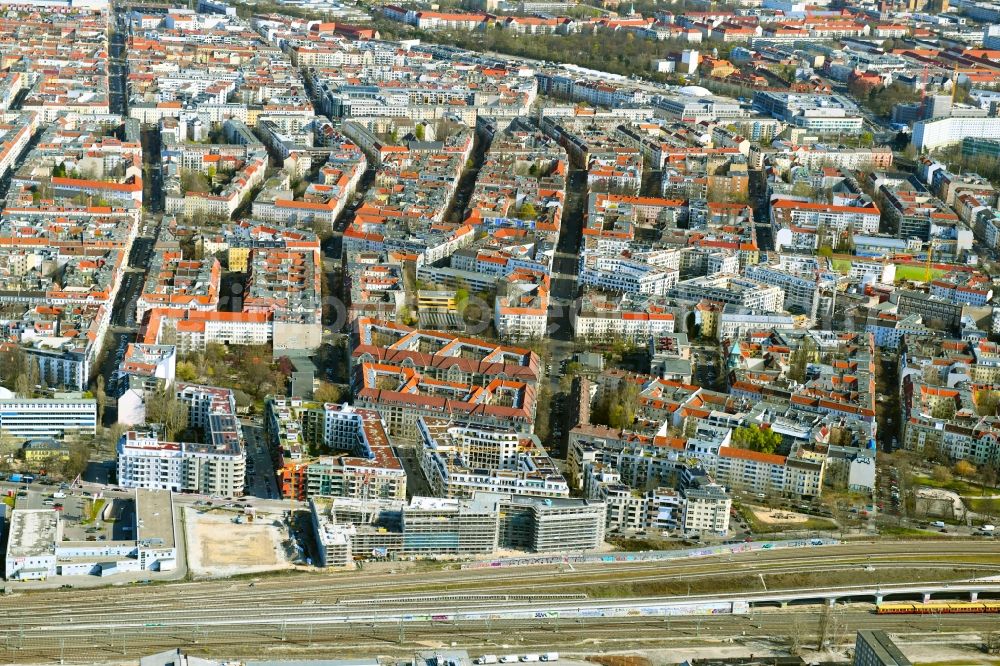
[(931, 134), (460, 459), (216, 466), (25, 419)]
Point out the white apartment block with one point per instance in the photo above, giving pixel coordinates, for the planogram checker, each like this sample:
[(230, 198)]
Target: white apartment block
[(146, 462), (460, 459), (706, 510), (26, 419), (520, 323), (788, 214), (621, 274), (932, 134), (734, 325), (216, 466), (732, 289), (631, 325)]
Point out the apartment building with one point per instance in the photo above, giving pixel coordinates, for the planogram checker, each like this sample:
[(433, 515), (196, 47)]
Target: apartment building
[(625, 275), (812, 293), (216, 466), (732, 289), (975, 289), (331, 450), (521, 310), (645, 485), (404, 373), (459, 459), (176, 282), (937, 133), (787, 215), (629, 316)]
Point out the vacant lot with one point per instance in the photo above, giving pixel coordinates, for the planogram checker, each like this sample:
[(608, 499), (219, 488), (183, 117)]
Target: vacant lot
[(219, 547), (778, 516), (765, 520)]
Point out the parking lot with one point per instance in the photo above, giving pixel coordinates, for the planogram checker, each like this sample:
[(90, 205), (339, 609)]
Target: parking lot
[(85, 518)]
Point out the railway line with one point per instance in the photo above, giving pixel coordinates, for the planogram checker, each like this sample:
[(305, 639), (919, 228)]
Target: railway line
[(18, 645), (535, 581), (294, 606), (305, 613), (216, 596)]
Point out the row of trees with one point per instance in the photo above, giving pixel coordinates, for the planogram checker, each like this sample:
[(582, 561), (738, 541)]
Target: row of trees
[(881, 100), (616, 52), (617, 409), (755, 438), (985, 166)]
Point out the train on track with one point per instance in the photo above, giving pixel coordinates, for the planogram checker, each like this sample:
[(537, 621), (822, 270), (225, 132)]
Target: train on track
[(934, 608)]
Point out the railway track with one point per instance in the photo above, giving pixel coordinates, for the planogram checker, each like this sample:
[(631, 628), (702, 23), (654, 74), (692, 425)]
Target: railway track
[(295, 606), (283, 612), (549, 577), (207, 597), (278, 639), (159, 601)]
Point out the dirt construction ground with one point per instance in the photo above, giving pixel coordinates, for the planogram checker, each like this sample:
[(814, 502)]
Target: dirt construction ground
[(778, 516), (219, 547)]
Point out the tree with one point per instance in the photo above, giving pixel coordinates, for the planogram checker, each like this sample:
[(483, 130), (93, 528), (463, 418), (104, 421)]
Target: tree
[(102, 397), (78, 459), (327, 392), (944, 410), (988, 474), (987, 402), (461, 299), (23, 386), (799, 360), (755, 438), (616, 409), (186, 371), (419, 132), (964, 468), (164, 408), (195, 181), (941, 474), (527, 212)]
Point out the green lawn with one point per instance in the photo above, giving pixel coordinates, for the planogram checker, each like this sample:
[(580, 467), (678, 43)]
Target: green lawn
[(987, 506), (915, 273), (965, 488), (842, 265), (96, 506), (909, 533)]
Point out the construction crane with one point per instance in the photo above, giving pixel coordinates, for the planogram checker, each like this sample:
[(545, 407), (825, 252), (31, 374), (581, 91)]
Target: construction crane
[(930, 259)]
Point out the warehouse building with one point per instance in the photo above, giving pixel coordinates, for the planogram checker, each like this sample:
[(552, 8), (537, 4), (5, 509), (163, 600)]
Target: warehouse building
[(42, 545)]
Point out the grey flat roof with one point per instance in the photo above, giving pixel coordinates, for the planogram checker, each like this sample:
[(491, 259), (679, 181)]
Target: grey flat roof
[(154, 516), (882, 645), (33, 532)]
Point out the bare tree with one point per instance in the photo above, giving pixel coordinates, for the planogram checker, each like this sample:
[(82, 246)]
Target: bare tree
[(102, 398), (165, 409)]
